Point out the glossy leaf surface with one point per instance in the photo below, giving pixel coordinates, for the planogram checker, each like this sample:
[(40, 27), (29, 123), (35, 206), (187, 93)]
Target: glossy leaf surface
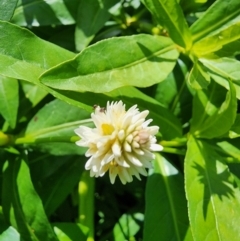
[(213, 200), (91, 17), (213, 117), (70, 232), (16, 62), (108, 65), (170, 15), (7, 8), (30, 12), (10, 234), (127, 226), (57, 119), (218, 26), (224, 69), (166, 206), (9, 99)]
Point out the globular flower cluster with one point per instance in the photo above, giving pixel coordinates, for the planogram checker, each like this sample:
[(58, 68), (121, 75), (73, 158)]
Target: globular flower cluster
[(121, 143)]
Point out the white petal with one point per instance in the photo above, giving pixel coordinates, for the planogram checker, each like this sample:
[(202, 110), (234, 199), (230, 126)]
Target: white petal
[(112, 174), (134, 160), (121, 162), (138, 151), (153, 130), (116, 149), (89, 163), (156, 147), (121, 135), (135, 144), (127, 147), (107, 158)]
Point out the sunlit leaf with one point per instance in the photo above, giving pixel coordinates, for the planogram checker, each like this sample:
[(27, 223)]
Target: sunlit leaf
[(10, 234), (213, 116), (32, 92), (7, 8), (213, 199), (198, 78), (57, 119), (169, 14), (25, 61), (49, 12), (166, 207), (224, 69), (70, 231), (218, 26), (91, 17), (127, 226), (115, 62), (9, 99)]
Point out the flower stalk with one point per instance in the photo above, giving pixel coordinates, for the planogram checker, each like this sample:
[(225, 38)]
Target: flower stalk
[(86, 203)]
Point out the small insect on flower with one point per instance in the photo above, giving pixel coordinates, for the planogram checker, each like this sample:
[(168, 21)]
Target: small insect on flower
[(121, 142)]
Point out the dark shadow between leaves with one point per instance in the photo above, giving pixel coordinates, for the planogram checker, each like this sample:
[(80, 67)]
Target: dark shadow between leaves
[(13, 210), (215, 96), (214, 183), (32, 12)]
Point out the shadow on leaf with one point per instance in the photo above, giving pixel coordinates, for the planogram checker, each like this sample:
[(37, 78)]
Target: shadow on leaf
[(214, 175)]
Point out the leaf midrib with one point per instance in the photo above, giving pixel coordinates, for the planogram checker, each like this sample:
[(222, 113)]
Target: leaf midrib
[(125, 66), (213, 27), (170, 197), (210, 188)]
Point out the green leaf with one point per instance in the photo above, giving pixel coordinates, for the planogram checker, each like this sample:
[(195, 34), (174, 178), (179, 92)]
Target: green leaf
[(212, 117), (230, 148), (229, 50), (213, 199), (166, 206), (7, 8), (70, 231), (235, 129), (115, 62), (218, 26), (63, 180), (198, 77), (174, 93), (169, 14), (25, 61), (22, 206), (127, 226), (57, 119), (91, 17), (9, 100), (30, 12), (224, 69), (191, 5), (32, 92), (10, 234)]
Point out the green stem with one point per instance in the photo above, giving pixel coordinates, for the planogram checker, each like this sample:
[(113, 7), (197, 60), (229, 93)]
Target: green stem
[(35, 137), (176, 143), (173, 151), (59, 127), (37, 140), (86, 203)]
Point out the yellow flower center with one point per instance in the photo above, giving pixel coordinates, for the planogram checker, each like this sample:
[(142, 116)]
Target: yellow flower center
[(107, 129)]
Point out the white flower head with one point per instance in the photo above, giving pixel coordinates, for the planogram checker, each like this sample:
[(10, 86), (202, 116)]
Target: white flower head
[(122, 142)]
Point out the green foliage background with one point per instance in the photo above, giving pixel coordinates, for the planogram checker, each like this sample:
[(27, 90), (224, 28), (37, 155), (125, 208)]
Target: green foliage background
[(178, 59)]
